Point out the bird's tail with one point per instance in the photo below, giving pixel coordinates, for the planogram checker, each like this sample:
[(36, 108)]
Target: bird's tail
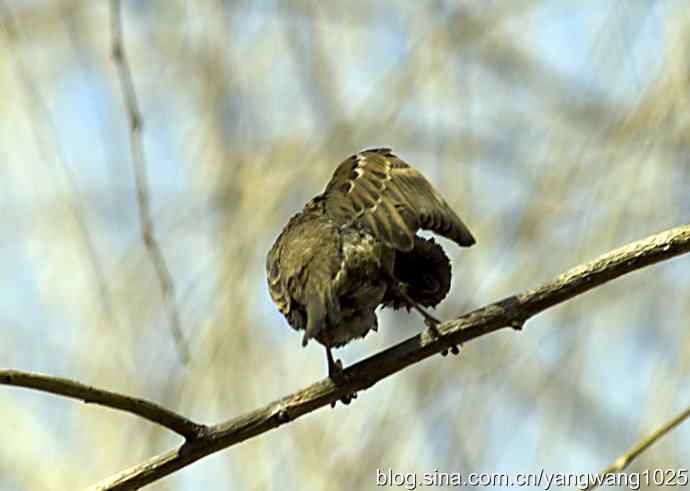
[(322, 310), (316, 318), (425, 273)]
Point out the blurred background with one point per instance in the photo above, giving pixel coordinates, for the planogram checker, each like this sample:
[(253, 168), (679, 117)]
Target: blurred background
[(558, 130)]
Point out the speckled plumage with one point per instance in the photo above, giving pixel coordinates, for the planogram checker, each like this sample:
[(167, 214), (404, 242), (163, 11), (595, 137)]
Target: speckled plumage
[(346, 252)]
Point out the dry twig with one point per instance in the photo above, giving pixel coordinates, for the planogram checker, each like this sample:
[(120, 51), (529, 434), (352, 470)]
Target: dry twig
[(91, 395), (624, 460), (145, 220)]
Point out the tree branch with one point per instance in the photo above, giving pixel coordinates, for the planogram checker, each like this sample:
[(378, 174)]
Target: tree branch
[(146, 223), (76, 390), (513, 311), (624, 460)]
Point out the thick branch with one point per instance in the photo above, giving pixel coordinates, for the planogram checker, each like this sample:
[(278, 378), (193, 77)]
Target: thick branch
[(75, 390), (624, 460), (512, 311)]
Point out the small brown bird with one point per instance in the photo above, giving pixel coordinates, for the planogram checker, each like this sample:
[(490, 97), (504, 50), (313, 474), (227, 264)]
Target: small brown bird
[(354, 247)]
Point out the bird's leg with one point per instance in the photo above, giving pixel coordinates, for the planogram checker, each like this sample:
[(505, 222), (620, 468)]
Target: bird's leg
[(431, 321), (336, 374), (335, 368)]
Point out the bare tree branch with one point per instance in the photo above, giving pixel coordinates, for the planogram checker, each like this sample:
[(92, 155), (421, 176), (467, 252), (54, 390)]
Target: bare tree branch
[(135, 125), (624, 460), (512, 311), (91, 395)]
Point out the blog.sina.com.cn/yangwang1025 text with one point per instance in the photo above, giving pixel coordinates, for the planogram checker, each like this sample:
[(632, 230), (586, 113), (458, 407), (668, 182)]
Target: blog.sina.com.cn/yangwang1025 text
[(541, 479)]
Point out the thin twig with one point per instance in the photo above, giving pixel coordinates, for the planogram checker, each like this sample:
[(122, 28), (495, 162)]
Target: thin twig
[(624, 460), (512, 311), (91, 395), (146, 223)]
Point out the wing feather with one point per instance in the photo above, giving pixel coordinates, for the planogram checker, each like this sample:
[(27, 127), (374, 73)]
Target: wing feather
[(392, 198), (276, 284)]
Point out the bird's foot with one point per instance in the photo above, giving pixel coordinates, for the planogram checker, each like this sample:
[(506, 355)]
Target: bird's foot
[(346, 399), (432, 323), (338, 376), (453, 349)]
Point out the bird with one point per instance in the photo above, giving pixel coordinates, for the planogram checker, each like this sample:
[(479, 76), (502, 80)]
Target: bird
[(355, 247)]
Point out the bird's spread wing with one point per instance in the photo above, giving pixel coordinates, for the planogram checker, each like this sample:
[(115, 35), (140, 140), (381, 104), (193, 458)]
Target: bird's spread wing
[(392, 198)]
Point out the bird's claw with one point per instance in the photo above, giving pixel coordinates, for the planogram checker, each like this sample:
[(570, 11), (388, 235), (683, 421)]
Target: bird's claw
[(338, 376), (347, 399), (453, 349), (433, 323)]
